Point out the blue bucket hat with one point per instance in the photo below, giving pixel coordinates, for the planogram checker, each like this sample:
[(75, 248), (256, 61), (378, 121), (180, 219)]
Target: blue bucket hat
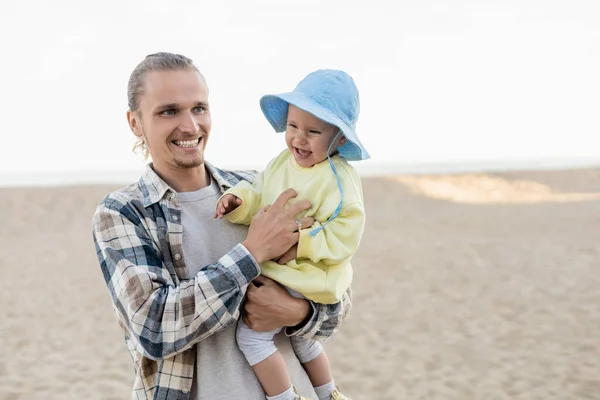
[(329, 95)]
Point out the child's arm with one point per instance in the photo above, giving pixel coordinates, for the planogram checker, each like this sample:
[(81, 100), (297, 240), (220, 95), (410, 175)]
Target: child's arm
[(226, 204), (338, 240), (249, 194)]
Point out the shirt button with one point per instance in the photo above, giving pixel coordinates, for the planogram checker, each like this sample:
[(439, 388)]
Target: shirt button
[(178, 256), (175, 218)]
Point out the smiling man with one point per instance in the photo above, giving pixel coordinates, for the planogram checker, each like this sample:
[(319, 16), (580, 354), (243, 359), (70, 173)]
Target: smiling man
[(176, 136), (176, 275)]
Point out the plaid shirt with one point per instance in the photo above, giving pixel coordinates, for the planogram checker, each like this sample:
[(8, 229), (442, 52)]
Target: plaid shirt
[(137, 232)]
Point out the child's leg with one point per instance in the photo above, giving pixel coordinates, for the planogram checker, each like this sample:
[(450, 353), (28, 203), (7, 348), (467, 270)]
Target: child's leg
[(313, 359), (316, 364), (264, 358), (273, 375), (318, 370)]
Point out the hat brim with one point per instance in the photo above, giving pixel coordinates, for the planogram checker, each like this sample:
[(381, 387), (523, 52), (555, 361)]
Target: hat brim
[(275, 109)]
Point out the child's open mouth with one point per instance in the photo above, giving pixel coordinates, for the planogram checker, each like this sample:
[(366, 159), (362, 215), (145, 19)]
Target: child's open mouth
[(302, 153)]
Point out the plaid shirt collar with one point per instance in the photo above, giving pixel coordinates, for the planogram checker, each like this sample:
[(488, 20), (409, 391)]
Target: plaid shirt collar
[(154, 188)]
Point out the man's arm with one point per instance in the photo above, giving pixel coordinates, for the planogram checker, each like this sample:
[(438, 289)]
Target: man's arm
[(161, 318), (269, 306), (164, 319), (323, 320)]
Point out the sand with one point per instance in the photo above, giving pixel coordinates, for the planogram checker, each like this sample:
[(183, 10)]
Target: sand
[(479, 286)]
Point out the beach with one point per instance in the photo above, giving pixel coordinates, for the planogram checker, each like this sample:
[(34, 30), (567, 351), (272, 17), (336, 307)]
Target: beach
[(467, 286)]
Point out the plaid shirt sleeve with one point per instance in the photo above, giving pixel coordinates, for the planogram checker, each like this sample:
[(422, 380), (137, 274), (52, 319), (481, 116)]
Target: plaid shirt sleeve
[(161, 316), (325, 320)]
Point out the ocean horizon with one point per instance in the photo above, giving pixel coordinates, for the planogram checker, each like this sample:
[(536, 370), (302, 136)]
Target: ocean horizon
[(365, 169)]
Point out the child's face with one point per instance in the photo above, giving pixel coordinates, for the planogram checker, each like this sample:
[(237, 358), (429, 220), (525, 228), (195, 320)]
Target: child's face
[(308, 137)]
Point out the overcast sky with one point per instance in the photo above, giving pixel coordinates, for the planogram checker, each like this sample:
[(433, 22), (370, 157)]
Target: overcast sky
[(439, 80)]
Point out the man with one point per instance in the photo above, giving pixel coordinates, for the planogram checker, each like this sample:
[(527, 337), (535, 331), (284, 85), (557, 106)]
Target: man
[(177, 276)]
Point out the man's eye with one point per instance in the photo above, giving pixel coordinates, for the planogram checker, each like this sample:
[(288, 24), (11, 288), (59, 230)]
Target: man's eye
[(168, 112), (199, 110)]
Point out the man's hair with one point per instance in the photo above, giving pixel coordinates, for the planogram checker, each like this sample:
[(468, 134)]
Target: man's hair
[(153, 62)]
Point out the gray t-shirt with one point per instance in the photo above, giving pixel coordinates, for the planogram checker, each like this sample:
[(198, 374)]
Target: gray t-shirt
[(222, 372)]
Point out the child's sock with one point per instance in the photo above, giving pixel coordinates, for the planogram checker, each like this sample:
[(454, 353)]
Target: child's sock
[(287, 395), (324, 391)]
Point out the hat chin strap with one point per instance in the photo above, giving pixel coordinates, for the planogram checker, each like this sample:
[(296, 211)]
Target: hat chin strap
[(339, 184)]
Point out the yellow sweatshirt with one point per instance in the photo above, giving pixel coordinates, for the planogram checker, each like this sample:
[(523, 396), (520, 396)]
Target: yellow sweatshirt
[(322, 270)]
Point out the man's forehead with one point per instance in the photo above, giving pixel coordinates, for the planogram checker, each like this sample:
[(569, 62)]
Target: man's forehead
[(175, 87)]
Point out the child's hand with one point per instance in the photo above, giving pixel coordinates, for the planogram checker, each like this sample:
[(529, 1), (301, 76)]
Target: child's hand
[(226, 205), (288, 255)]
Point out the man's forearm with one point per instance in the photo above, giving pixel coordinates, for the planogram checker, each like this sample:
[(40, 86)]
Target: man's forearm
[(302, 311), (323, 319), (164, 319)]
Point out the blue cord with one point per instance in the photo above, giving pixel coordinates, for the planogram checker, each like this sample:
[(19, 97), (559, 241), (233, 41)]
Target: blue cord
[(339, 184)]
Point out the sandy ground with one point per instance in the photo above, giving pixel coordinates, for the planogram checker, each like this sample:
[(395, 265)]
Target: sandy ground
[(482, 286)]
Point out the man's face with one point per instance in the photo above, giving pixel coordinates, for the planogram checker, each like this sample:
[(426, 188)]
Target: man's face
[(173, 119)]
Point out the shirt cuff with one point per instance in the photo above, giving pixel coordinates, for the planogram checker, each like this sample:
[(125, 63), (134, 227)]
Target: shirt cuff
[(243, 265)]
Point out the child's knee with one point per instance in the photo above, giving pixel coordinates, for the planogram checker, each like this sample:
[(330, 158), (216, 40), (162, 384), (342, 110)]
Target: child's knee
[(306, 350), (256, 346)]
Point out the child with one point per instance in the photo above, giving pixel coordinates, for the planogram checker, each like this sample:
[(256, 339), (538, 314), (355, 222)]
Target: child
[(319, 119)]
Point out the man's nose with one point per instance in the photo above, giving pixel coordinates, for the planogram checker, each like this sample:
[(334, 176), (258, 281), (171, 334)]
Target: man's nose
[(188, 123)]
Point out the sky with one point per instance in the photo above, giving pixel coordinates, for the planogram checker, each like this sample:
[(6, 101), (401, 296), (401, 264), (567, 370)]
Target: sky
[(439, 81)]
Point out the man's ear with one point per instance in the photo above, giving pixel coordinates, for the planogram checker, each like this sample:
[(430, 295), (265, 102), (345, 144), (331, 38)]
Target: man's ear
[(134, 123)]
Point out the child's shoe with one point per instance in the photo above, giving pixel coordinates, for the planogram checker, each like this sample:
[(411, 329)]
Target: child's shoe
[(298, 397), (337, 395)]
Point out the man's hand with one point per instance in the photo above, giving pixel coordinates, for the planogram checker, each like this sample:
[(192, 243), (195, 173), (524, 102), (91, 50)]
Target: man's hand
[(274, 229), (288, 255), (269, 306), (226, 205)]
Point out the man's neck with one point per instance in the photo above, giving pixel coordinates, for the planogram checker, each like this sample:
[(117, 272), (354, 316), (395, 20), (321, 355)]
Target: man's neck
[(183, 179)]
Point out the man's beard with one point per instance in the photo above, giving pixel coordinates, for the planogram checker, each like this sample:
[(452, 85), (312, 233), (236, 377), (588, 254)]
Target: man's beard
[(188, 163)]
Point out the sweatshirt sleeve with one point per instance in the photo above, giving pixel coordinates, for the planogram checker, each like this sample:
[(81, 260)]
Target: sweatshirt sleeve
[(250, 194), (338, 240)]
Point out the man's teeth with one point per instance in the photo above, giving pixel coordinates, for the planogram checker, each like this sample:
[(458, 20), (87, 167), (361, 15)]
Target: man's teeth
[(187, 143)]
